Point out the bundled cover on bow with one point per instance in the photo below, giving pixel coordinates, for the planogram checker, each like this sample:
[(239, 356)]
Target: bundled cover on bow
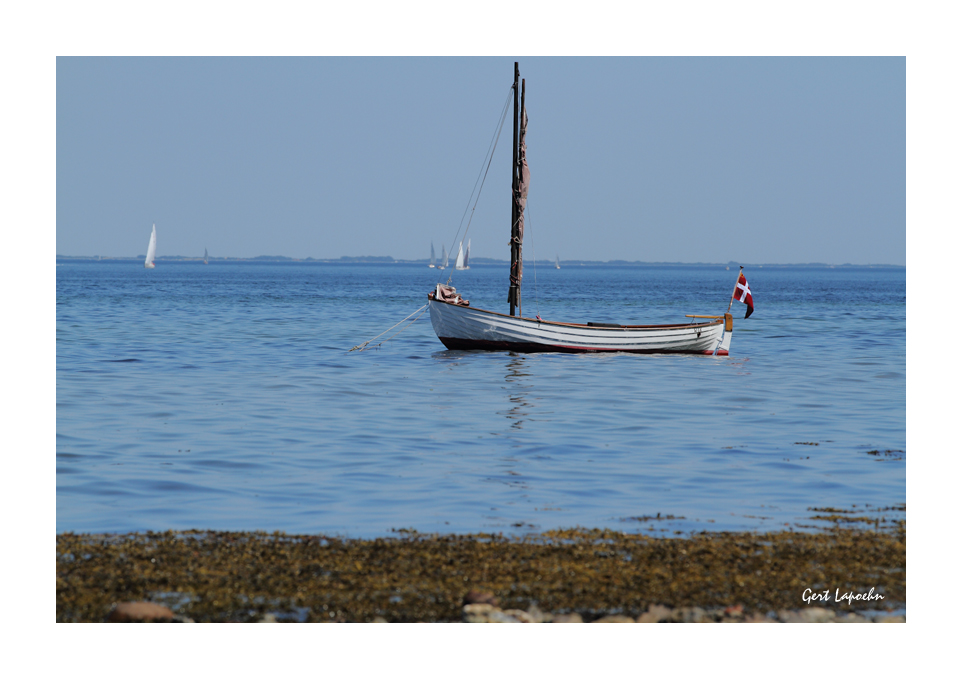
[(447, 294)]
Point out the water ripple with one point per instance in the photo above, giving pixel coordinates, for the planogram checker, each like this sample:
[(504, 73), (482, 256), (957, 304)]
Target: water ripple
[(224, 397)]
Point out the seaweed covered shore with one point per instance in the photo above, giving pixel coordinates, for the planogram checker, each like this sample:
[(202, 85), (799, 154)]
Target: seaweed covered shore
[(574, 574)]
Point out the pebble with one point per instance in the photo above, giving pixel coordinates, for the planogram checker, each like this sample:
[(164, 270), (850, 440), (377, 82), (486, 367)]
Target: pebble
[(486, 613), (817, 615), (655, 614), (691, 615), (615, 618), (476, 613), (129, 612), (480, 597), (808, 615)]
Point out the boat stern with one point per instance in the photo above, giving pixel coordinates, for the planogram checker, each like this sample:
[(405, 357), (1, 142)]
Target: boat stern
[(723, 347)]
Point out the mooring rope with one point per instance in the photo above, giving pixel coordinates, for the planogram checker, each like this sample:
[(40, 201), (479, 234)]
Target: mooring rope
[(362, 346)]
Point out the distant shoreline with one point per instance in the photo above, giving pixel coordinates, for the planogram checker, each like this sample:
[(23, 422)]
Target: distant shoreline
[(479, 261)]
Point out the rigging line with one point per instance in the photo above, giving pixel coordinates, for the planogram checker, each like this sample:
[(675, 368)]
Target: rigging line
[(491, 156), (494, 141), (364, 344), (488, 153)]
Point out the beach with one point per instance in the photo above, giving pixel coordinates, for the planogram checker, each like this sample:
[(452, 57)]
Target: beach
[(556, 576)]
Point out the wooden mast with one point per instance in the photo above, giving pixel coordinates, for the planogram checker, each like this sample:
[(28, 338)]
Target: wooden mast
[(513, 292), (519, 217)]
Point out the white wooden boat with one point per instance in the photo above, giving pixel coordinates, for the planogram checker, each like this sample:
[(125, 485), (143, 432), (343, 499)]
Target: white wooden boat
[(462, 327), (151, 248)]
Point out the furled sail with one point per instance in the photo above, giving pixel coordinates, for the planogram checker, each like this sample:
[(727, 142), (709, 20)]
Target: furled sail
[(523, 178), (520, 198)]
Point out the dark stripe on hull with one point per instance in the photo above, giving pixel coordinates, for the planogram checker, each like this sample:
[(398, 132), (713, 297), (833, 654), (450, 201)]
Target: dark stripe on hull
[(526, 347)]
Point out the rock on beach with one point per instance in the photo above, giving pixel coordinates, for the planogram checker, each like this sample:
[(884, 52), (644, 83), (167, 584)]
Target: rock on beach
[(131, 612)]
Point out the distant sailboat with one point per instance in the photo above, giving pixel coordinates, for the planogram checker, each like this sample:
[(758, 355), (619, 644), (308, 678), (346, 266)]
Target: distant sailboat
[(151, 248), (444, 258), (431, 264), (205, 256), (467, 253), (556, 261), (461, 262)]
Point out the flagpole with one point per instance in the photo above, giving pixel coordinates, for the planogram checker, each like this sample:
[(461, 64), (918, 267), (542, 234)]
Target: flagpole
[(733, 296)]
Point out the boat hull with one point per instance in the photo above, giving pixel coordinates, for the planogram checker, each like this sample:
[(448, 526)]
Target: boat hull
[(467, 328)]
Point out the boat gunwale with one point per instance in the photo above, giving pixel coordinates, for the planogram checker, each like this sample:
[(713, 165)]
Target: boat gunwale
[(431, 297)]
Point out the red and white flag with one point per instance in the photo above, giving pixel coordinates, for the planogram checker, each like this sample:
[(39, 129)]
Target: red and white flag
[(742, 294)]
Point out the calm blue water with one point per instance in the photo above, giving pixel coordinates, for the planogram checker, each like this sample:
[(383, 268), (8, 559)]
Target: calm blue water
[(223, 397)]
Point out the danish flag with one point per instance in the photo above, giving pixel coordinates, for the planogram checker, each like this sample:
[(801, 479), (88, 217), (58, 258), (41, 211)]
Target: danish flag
[(742, 294)]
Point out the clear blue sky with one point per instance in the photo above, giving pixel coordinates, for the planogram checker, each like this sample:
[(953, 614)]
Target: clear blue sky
[(755, 160)]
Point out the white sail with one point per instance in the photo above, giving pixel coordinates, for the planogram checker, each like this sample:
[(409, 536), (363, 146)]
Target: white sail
[(460, 260), (205, 256), (467, 252), (431, 264), (556, 262), (444, 258), (151, 248)]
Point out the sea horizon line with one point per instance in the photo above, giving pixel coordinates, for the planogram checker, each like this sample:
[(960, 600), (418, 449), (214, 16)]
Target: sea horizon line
[(387, 259)]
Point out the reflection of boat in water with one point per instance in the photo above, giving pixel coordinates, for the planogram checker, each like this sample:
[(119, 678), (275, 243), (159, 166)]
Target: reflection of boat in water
[(151, 248), (519, 385), (431, 262), (460, 326)]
